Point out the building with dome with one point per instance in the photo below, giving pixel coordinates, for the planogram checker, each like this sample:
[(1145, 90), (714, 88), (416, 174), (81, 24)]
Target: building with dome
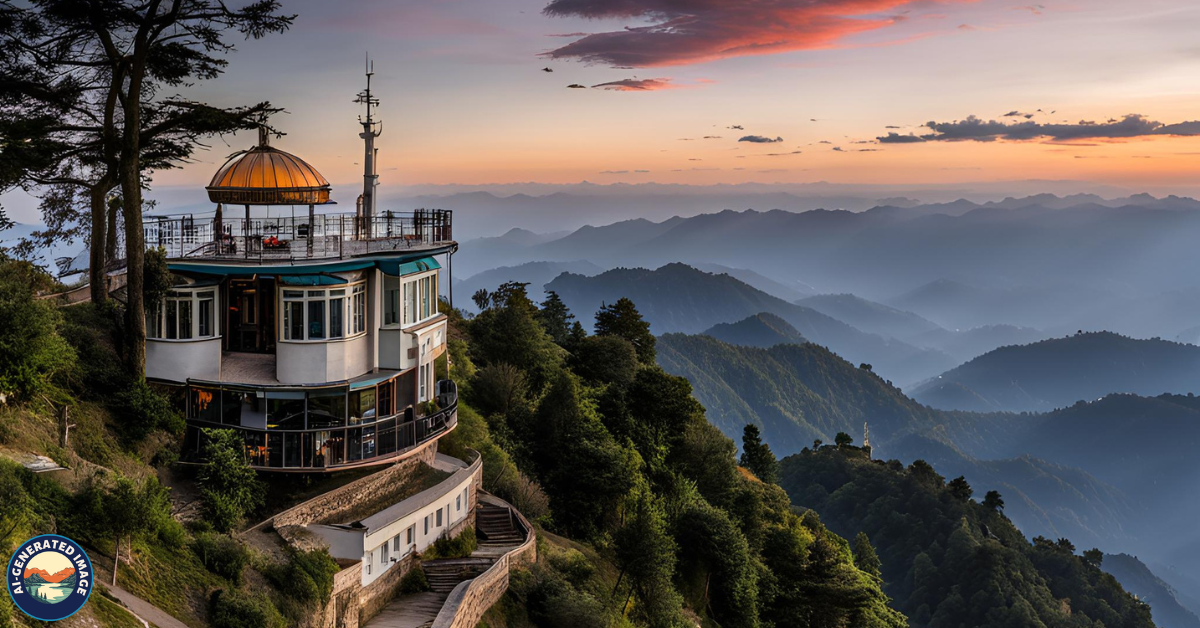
[(314, 333)]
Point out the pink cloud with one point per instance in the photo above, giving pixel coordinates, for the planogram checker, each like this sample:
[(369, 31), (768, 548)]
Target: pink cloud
[(639, 85), (695, 31)]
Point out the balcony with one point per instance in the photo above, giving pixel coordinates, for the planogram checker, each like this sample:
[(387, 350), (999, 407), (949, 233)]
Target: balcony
[(297, 238)]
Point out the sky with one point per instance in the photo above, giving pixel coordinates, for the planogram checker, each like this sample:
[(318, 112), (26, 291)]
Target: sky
[(731, 91)]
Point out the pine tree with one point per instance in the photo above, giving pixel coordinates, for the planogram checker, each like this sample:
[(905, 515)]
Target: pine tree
[(622, 319), (556, 318), (757, 455), (864, 556)]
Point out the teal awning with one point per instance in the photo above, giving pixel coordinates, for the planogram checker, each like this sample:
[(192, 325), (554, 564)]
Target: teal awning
[(311, 280), (391, 264), (398, 267)]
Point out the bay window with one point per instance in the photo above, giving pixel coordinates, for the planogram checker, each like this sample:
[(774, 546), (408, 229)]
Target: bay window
[(183, 315), (420, 299), (323, 314)]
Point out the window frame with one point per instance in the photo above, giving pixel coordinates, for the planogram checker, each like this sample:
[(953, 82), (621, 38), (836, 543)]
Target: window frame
[(418, 296), (343, 306), (184, 304)]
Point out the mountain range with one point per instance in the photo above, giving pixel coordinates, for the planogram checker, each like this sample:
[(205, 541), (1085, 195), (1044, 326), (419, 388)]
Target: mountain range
[(1048, 263), (1058, 372), (679, 298)]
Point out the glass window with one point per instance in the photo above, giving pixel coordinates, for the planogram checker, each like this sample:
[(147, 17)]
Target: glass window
[(354, 437), (285, 410), (293, 320), (327, 408), (185, 318), (256, 448), (409, 534), (458, 503), (204, 315), (426, 524), (439, 518), (291, 449), (244, 408), (391, 300), (368, 442), (359, 305), (321, 314), (362, 405), (387, 393), (385, 434), (396, 543), (274, 449), (335, 448), (172, 322), (337, 312), (317, 451), (383, 555), (206, 405), (410, 302), (183, 315), (316, 320)]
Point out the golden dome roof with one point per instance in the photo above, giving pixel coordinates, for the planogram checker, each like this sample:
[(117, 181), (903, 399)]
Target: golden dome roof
[(268, 176)]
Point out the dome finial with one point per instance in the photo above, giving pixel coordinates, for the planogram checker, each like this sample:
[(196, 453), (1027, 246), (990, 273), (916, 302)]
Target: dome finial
[(264, 136)]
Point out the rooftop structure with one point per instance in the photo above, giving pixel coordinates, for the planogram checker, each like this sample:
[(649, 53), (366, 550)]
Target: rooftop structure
[(316, 335)]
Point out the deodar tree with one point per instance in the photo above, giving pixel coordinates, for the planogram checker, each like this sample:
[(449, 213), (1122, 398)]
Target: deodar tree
[(83, 109)]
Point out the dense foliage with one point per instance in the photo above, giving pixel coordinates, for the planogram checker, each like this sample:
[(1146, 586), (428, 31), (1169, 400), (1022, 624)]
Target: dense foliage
[(628, 463), (949, 561)]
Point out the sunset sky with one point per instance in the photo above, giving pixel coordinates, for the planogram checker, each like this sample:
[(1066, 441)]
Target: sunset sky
[(465, 99)]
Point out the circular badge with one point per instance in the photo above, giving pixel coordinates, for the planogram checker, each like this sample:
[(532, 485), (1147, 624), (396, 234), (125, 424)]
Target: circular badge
[(49, 577)]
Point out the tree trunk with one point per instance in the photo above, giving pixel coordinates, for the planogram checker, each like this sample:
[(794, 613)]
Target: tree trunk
[(110, 251), (135, 247), (96, 254), (116, 559)]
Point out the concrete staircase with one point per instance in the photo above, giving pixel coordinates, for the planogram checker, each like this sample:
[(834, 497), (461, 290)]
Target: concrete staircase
[(444, 574), (495, 526)]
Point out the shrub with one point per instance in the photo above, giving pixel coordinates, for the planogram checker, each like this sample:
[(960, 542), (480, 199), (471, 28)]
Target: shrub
[(460, 546), (229, 487), (31, 350), (144, 410), (306, 577), (414, 581), (236, 609), (222, 555)]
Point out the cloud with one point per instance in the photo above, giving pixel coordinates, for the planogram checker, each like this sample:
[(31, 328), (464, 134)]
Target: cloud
[(614, 172), (685, 32), (795, 152), (638, 85), (759, 139), (712, 137), (978, 130), (641, 171), (1018, 114)]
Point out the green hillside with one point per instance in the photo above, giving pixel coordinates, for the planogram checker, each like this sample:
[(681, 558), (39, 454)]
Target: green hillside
[(949, 561)]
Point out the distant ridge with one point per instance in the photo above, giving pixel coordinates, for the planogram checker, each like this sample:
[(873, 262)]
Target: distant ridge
[(761, 330), (1058, 372), (679, 298)]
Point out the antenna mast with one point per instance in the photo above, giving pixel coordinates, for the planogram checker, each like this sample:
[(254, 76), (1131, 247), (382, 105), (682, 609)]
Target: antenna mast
[(371, 130)]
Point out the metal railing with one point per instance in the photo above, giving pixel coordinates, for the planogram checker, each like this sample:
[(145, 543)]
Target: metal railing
[(325, 236)]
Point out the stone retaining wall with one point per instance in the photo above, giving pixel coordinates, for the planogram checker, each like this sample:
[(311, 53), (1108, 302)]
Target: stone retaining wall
[(328, 506), (471, 599)]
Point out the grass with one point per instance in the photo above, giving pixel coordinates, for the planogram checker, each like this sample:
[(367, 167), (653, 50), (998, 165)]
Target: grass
[(423, 477), (172, 579), (110, 614)]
